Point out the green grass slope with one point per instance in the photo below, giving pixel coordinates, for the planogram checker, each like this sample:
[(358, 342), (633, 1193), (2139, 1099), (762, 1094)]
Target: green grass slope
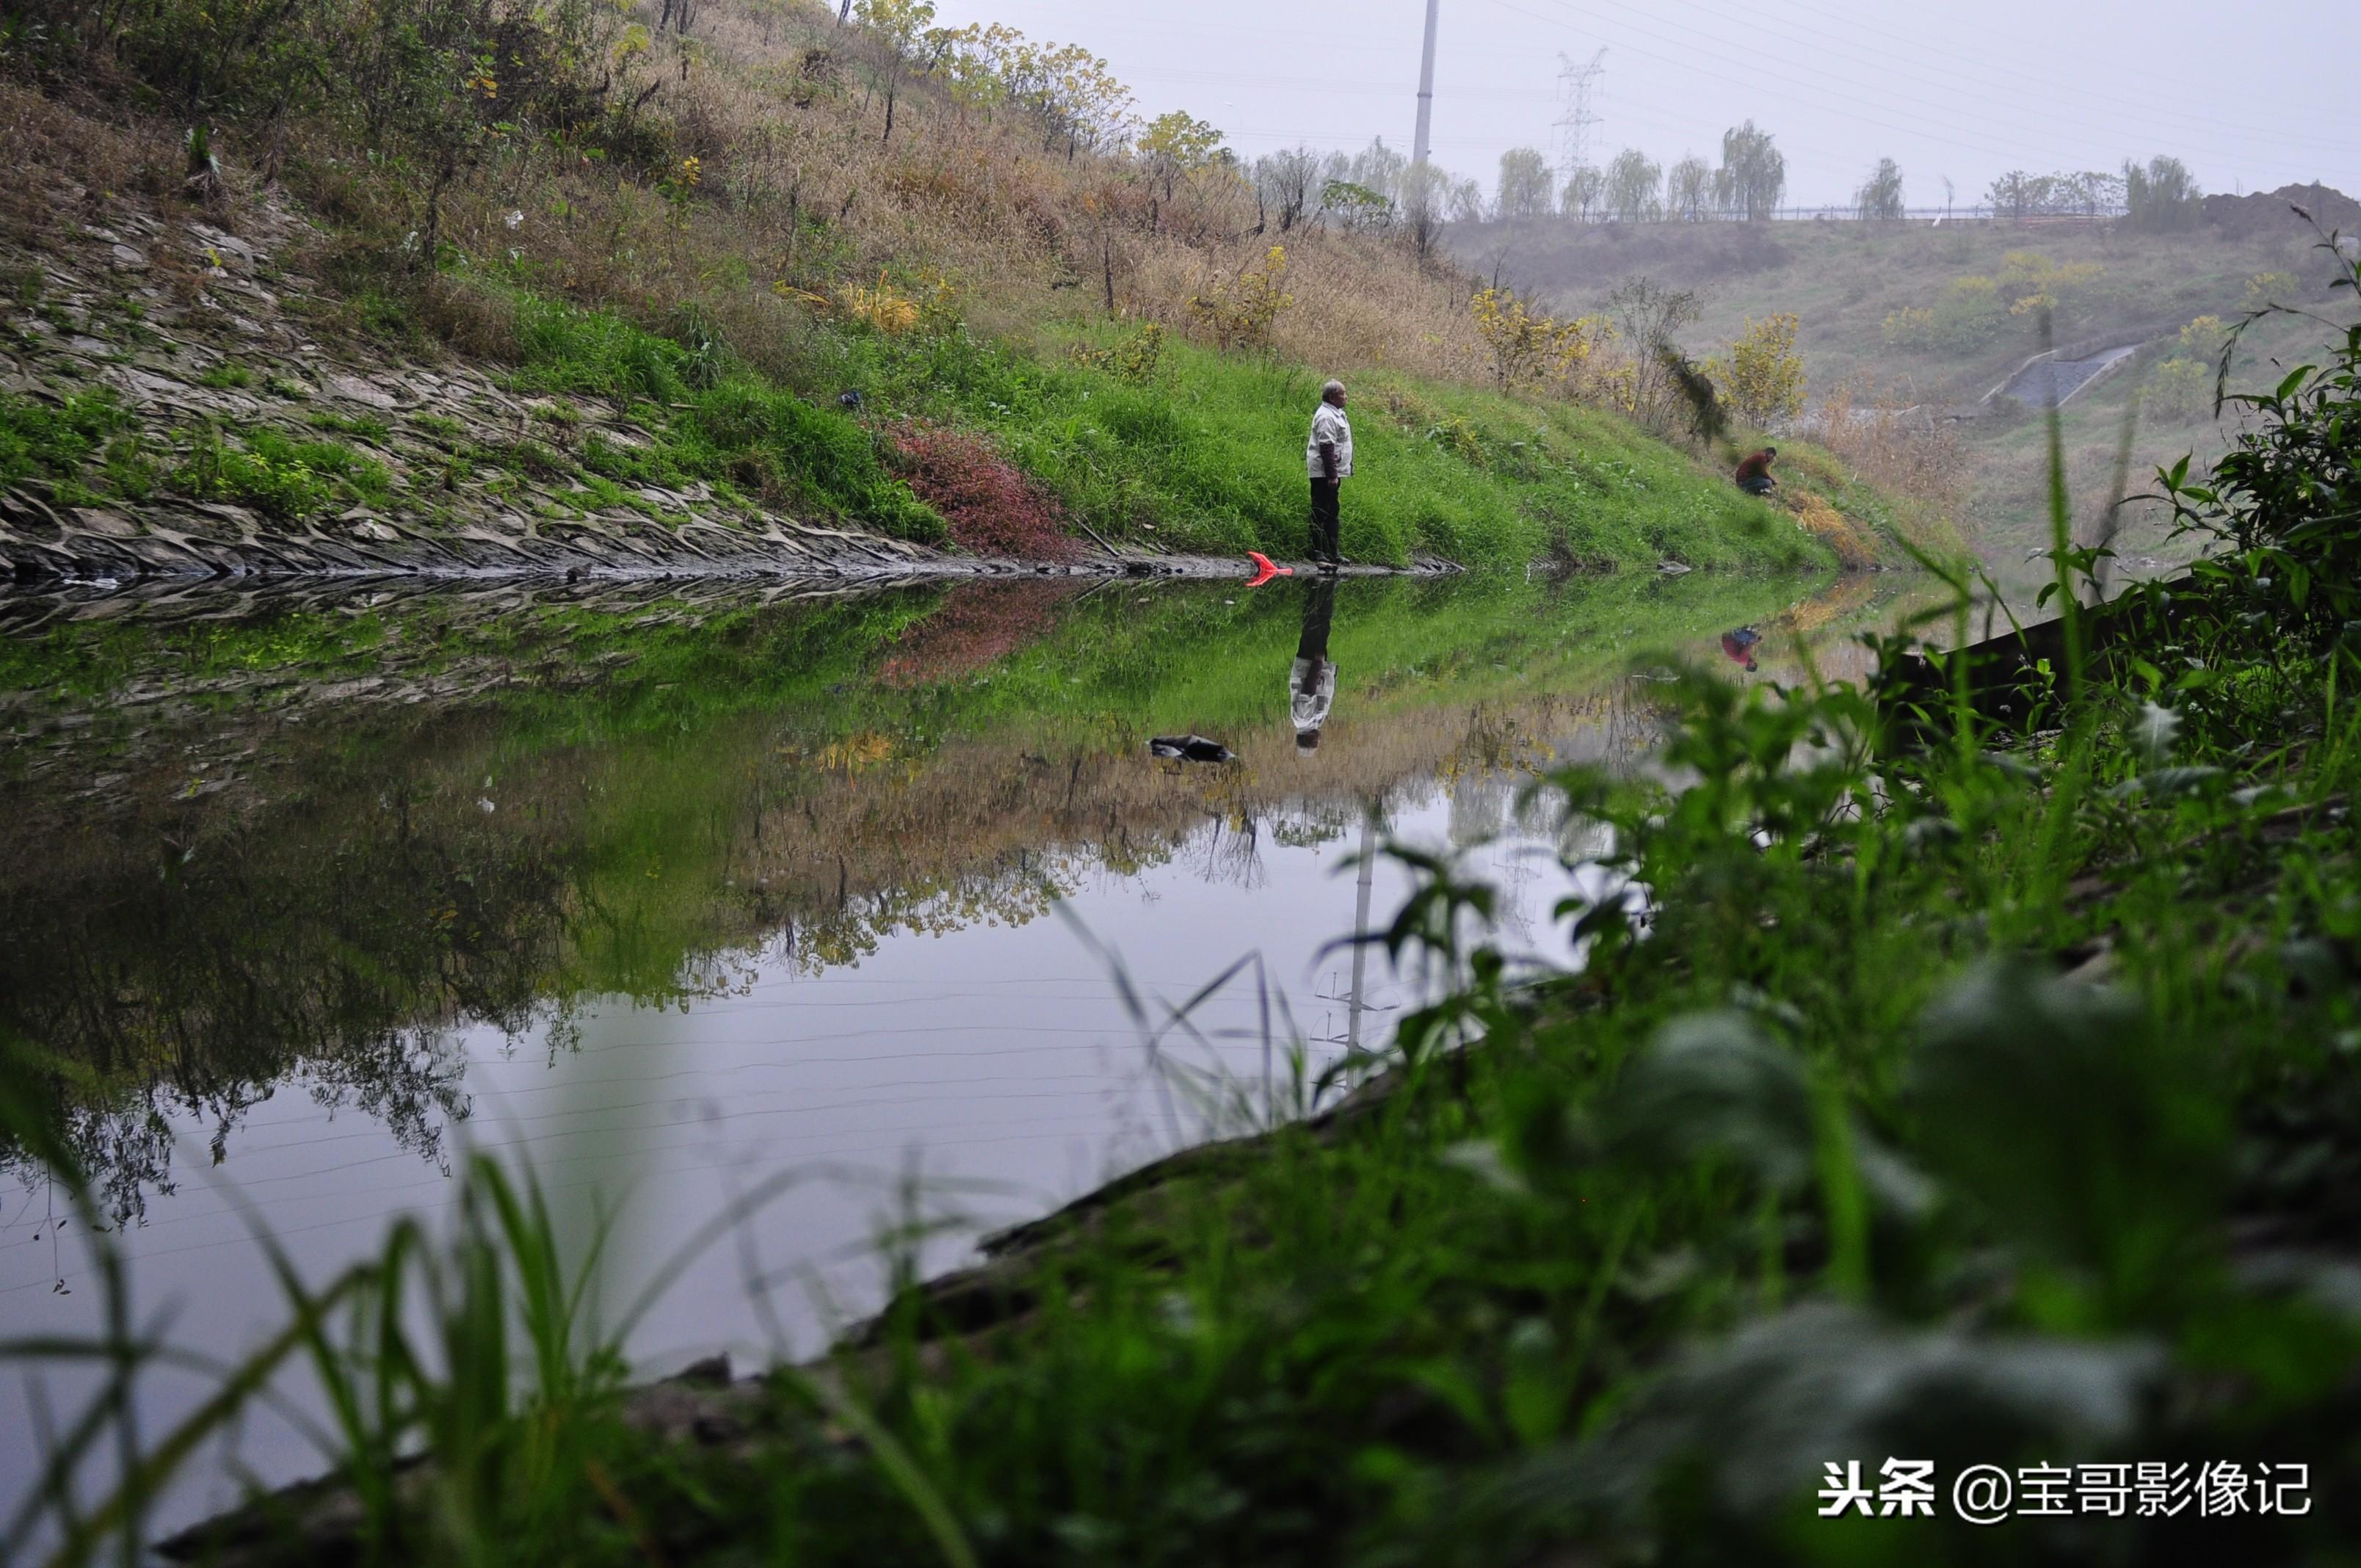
[(1202, 454)]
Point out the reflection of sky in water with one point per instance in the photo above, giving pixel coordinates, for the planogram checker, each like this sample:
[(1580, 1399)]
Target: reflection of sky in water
[(933, 1034), (1000, 1063)]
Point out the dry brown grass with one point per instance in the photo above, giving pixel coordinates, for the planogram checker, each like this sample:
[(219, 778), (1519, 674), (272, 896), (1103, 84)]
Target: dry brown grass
[(1896, 443), (68, 152), (797, 192), (1032, 241), (1854, 549)]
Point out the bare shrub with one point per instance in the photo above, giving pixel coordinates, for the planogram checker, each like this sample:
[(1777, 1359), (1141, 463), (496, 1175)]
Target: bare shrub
[(1886, 437)]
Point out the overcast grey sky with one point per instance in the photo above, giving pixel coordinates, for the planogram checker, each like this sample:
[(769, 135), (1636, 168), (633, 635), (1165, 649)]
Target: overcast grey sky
[(2252, 95)]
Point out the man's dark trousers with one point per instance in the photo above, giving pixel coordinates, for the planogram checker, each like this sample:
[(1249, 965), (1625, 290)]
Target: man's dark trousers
[(1324, 522)]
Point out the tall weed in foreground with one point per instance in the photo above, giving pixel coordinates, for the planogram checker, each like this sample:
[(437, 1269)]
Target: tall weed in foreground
[(471, 1392)]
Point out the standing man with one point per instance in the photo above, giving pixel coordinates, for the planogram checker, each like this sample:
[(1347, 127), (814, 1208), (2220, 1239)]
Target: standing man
[(1329, 456), (1754, 472)]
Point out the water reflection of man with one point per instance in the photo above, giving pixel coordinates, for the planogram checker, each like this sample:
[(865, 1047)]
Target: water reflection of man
[(1312, 684), (1737, 646)]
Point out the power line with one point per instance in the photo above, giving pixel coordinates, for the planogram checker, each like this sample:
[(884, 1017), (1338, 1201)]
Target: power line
[(2010, 152), (2091, 94), (1935, 79), (1982, 91)]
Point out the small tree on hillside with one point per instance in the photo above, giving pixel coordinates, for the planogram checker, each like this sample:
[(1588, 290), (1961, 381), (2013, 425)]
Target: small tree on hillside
[(1526, 345), (1425, 190), (1650, 315), (450, 105), (899, 25), (1762, 380), (1239, 310), (1525, 183), (1177, 145), (1289, 183), (1356, 208), (2266, 289), (1376, 167), (2203, 339), (1879, 200)]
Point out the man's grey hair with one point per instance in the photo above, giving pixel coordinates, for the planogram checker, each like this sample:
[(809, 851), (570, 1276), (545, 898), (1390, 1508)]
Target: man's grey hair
[(1332, 386)]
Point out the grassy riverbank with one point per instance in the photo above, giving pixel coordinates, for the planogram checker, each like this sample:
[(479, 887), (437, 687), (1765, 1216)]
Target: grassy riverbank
[(1990, 1101), (1199, 453)]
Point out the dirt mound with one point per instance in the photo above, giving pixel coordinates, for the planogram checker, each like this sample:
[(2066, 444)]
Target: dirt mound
[(2266, 212)]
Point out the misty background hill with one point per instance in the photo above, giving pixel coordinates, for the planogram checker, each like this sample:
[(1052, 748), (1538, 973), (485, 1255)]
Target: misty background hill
[(1853, 285)]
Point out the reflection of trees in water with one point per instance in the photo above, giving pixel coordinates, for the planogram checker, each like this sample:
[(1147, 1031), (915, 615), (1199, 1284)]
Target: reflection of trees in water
[(408, 1083), (177, 963), (1234, 852), (333, 921), (1302, 824), (1011, 895), (1479, 806)]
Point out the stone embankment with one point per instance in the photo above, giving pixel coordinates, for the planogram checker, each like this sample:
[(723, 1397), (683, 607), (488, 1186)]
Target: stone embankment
[(198, 333), (191, 327)]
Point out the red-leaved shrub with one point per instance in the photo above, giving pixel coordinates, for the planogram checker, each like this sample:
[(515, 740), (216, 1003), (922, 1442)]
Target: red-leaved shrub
[(989, 506)]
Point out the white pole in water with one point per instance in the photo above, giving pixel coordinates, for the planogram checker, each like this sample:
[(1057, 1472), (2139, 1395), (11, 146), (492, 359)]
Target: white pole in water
[(1361, 896), (1425, 88)]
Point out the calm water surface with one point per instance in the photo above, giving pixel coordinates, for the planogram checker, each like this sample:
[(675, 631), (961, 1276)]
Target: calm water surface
[(665, 891)]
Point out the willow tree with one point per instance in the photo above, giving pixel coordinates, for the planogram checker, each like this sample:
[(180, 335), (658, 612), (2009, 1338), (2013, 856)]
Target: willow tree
[(1632, 183), (1689, 190), (1879, 200), (1753, 176), (1525, 184), (1585, 194)]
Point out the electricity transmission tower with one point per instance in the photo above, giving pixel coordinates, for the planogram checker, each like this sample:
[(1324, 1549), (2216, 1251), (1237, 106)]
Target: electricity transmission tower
[(1577, 87)]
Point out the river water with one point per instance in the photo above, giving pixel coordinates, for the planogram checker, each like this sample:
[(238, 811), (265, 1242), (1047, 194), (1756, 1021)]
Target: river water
[(663, 890)]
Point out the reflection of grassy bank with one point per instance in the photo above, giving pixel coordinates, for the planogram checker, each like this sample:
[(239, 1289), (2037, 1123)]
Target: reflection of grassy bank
[(600, 798)]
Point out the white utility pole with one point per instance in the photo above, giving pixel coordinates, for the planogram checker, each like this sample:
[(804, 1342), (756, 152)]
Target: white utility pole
[(1418, 144)]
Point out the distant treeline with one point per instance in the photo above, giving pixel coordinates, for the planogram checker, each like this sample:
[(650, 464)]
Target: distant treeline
[(1379, 185)]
